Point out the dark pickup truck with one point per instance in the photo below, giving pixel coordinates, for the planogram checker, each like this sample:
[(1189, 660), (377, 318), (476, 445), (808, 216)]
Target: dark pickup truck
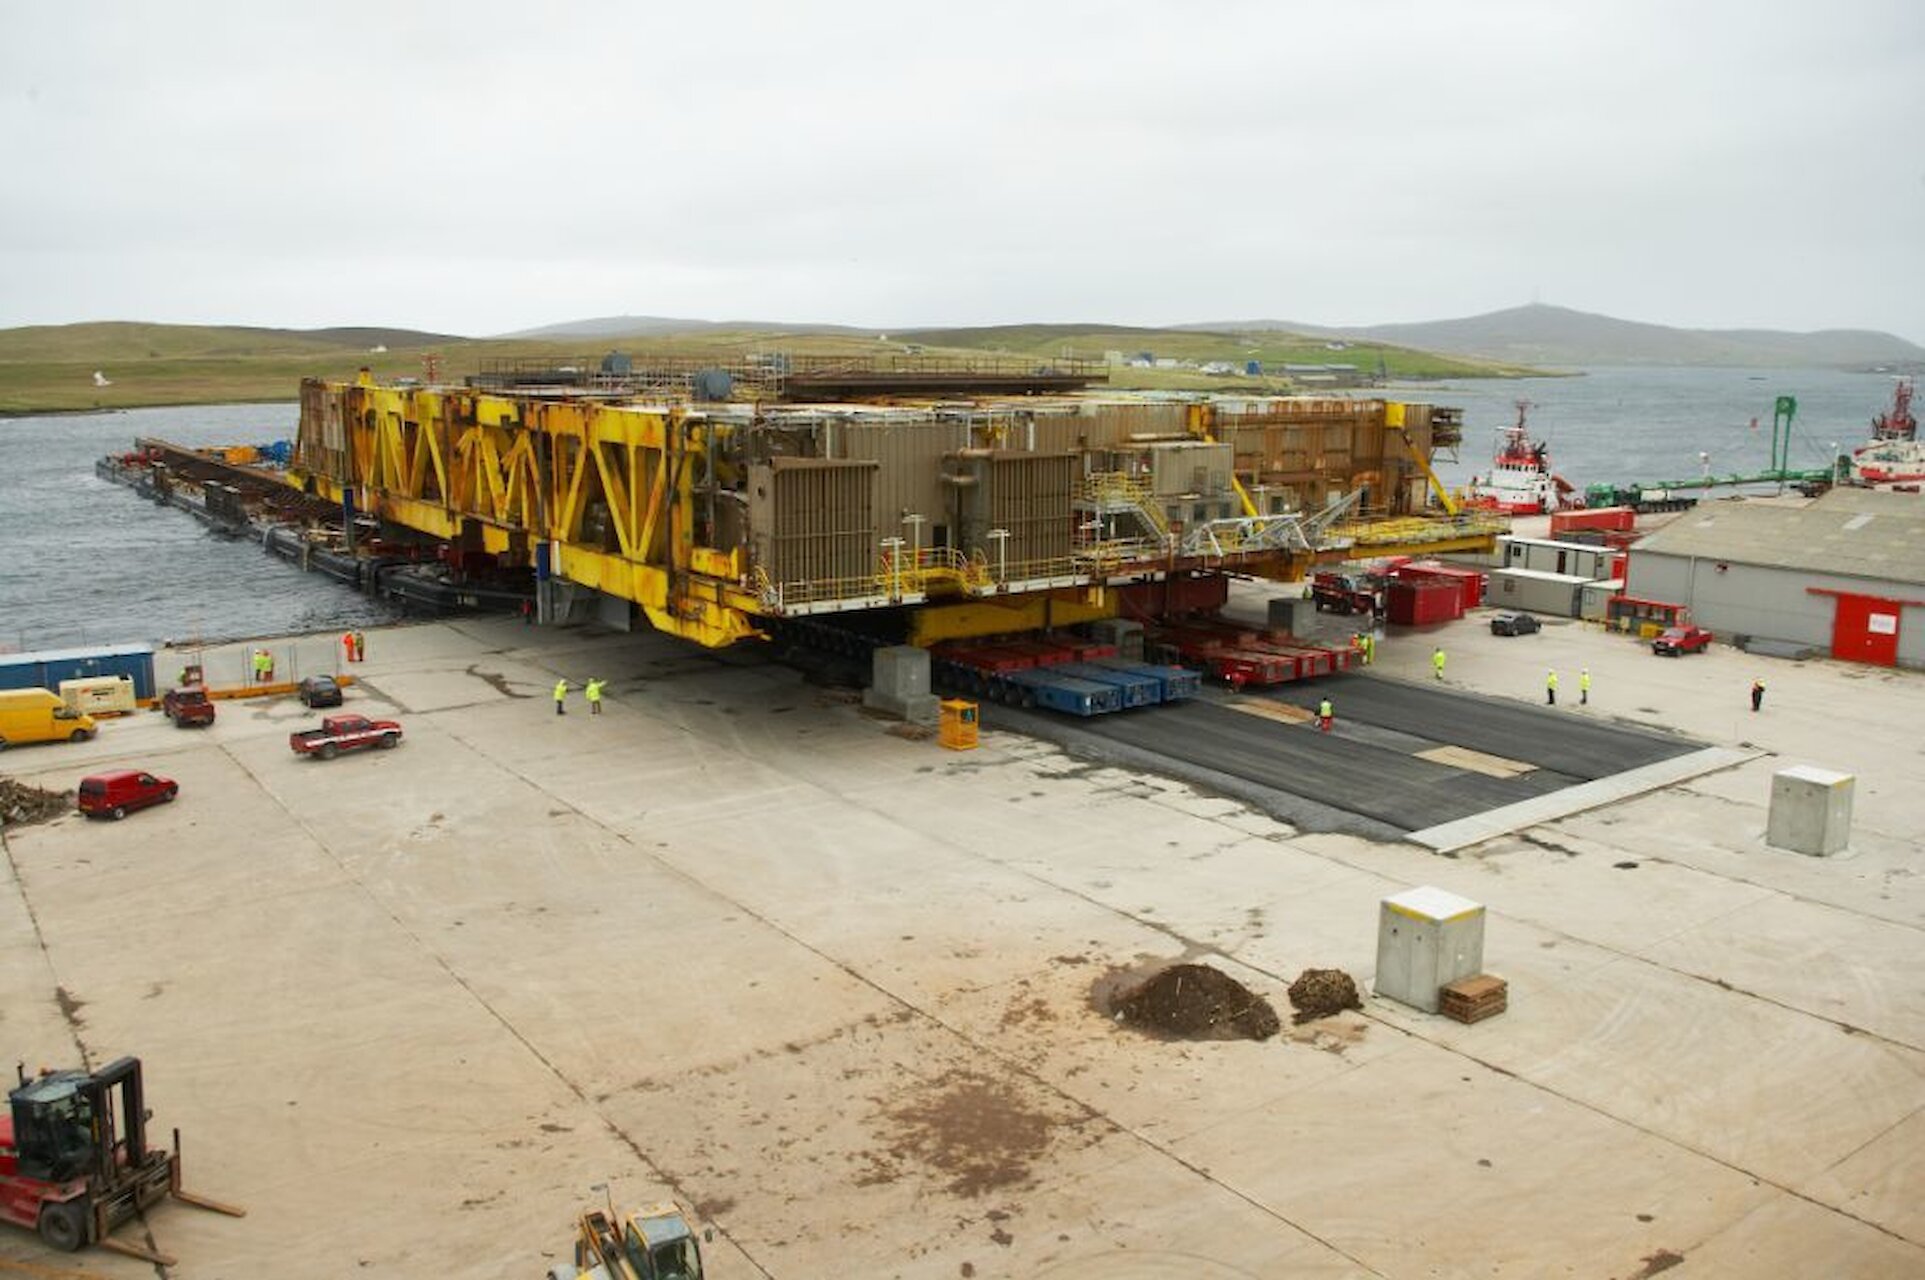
[(345, 733), (187, 705)]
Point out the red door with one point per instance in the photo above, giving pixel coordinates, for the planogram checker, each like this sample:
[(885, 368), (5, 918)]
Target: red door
[(1865, 629)]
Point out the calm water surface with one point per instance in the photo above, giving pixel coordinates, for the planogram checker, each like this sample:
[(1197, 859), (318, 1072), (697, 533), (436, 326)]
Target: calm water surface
[(83, 561), (1624, 426)]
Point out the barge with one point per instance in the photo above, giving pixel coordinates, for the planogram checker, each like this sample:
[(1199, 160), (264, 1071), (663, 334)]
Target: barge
[(238, 492)]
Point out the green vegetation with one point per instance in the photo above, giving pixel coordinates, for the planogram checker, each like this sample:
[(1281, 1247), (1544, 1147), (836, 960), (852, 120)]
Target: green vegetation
[(50, 369), (1272, 347)]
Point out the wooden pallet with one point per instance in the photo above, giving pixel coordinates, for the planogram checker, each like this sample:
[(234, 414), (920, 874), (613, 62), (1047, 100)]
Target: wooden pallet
[(1474, 999)]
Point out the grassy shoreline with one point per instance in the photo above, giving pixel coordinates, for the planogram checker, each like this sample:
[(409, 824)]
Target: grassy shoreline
[(50, 370)]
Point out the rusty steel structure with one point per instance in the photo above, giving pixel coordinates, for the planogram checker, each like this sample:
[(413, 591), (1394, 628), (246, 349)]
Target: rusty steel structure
[(714, 500)]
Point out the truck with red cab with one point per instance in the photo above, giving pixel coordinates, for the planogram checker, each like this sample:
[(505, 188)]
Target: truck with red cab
[(345, 733), (119, 792), (1347, 593), (1674, 642), (187, 705)]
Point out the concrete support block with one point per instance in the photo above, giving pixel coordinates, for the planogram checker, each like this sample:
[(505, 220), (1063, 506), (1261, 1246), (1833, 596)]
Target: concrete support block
[(899, 685), (1426, 938), (1297, 616), (1127, 636), (1810, 810)]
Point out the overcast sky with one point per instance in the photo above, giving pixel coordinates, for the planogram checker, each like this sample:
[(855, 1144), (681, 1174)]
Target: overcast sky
[(478, 168)]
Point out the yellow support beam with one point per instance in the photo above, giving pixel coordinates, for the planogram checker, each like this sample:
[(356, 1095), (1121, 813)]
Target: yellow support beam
[(1009, 614), (1394, 423)]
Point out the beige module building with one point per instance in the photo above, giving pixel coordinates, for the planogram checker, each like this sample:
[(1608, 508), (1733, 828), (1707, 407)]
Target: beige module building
[(846, 996)]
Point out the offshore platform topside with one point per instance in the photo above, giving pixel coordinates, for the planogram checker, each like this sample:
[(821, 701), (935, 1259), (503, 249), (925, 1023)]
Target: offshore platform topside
[(980, 498)]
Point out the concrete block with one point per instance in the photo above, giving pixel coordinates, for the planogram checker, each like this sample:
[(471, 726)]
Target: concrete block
[(1810, 810), (1298, 617), (899, 685), (1427, 937), (1127, 636), (900, 671)]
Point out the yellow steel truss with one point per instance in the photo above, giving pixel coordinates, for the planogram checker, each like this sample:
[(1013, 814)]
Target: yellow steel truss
[(510, 472)]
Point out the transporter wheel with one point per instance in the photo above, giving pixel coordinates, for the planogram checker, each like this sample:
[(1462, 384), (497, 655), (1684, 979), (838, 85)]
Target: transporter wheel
[(63, 1226)]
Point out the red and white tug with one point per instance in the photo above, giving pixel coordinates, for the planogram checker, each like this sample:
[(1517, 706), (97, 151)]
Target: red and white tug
[(1521, 481), (1895, 454)]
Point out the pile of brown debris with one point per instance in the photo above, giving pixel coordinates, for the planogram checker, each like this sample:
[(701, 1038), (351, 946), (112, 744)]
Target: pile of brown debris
[(1318, 993), (21, 804), (1196, 1002)]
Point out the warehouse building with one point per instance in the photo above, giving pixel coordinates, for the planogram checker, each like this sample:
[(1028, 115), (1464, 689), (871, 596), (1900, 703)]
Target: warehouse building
[(1843, 575)]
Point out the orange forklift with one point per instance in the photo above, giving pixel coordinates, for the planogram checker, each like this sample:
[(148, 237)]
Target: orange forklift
[(74, 1159)]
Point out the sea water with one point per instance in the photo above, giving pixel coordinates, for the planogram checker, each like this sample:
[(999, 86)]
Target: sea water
[(1626, 426), (84, 561)]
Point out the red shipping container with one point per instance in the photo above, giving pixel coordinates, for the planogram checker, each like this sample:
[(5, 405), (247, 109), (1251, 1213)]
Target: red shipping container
[(1469, 582), (1417, 602), (1618, 518)]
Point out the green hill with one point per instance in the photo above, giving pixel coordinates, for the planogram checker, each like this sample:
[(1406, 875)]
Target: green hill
[(1231, 346), (50, 369)]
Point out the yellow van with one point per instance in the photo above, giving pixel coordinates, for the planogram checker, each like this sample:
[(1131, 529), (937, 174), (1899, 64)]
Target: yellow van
[(38, 715)]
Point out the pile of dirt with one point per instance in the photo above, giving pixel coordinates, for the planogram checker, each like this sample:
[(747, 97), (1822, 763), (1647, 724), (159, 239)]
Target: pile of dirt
[(1196, 1002), (20, 803), (1318, 993)]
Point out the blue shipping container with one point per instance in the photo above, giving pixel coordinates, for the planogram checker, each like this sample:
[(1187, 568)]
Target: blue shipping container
[(45, 670)]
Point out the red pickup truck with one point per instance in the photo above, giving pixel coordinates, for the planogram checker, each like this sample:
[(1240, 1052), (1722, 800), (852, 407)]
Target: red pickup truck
[(345, 733), (187, 705), (1675, 641)]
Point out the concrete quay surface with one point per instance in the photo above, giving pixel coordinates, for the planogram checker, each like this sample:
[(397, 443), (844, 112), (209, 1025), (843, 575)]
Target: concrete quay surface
[(736, 943)]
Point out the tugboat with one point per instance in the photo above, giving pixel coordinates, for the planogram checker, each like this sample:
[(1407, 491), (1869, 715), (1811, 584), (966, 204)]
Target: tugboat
[(1895, 454), (1521, 481)]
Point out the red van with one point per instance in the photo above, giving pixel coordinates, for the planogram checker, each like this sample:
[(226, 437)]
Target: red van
[(114, 794)]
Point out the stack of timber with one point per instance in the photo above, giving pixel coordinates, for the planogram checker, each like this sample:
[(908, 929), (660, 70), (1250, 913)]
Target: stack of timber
[(1474, 999)]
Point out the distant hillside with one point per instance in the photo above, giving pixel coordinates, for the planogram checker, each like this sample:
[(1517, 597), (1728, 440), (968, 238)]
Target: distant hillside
[(112, 340), (1227, 344), (54, 368), (1559, 336), (662, 326)]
